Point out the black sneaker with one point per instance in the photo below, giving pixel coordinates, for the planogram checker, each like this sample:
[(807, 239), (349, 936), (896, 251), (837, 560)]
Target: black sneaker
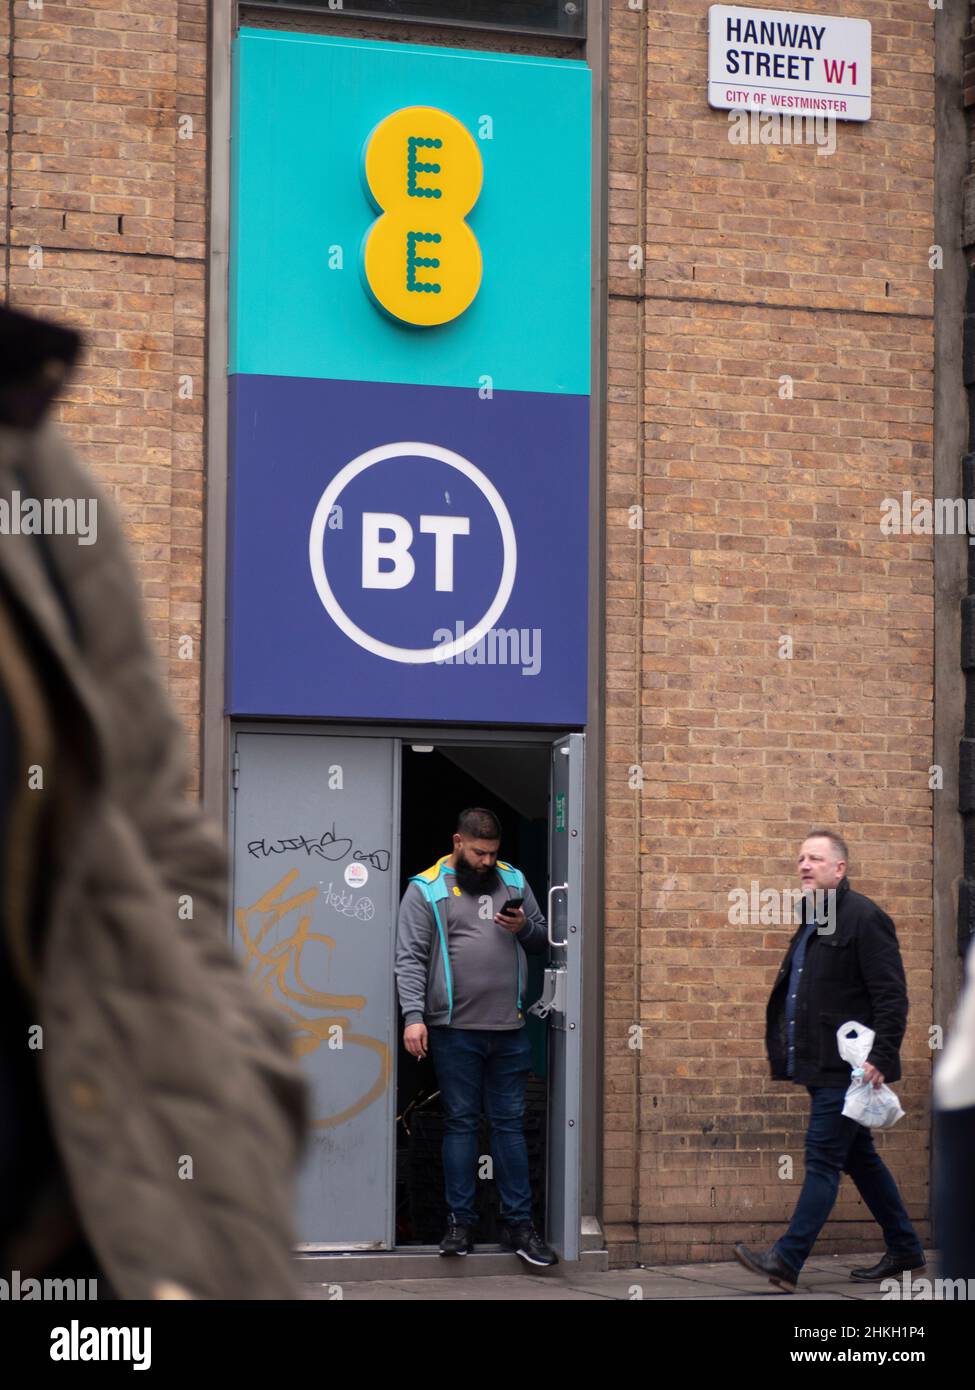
[(525, 1241), (457, 1241)]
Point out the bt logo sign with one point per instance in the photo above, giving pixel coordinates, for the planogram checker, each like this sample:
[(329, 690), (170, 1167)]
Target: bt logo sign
[(397, 551), (421, 261), (430, 564)]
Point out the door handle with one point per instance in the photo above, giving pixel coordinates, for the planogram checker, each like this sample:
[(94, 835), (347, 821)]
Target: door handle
[(555, 888)]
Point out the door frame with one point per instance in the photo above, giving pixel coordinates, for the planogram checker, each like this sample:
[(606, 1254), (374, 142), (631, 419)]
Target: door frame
[(567, 1036), (473, 735), (217, 727)]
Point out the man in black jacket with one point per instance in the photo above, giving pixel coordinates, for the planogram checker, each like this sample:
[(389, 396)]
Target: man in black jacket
[(843, 965)]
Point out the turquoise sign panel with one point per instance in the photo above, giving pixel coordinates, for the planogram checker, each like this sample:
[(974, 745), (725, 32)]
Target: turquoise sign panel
[(305, 107)]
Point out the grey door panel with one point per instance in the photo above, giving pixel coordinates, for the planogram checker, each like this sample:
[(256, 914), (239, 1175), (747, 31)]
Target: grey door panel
[(315, 902)]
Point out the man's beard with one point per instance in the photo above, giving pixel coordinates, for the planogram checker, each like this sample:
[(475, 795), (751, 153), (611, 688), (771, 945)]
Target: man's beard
[(470, 880)]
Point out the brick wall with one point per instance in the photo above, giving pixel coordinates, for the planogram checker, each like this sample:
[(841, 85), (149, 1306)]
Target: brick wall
[(105, 144), (761, 521)]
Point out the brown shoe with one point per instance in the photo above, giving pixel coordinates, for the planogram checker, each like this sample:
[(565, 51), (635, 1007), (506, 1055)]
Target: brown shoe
[(768, 1263)]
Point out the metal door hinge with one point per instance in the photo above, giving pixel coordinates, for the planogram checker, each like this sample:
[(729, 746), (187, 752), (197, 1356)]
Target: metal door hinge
[(553, 994), (236, 773)]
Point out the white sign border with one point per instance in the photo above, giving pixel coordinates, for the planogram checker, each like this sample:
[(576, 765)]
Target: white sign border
[(716, 82)]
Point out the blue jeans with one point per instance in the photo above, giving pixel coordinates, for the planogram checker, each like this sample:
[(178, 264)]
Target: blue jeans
[(471, 1064), (835, 1145)]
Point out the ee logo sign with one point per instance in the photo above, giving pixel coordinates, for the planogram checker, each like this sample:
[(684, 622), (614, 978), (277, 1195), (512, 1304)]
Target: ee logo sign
[(389, 542), (421, 261)]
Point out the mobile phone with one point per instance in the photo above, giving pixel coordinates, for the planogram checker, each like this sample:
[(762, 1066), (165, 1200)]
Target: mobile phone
[(512, 905)]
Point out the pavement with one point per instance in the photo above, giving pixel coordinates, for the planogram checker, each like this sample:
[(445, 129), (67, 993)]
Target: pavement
[(824, 1278)]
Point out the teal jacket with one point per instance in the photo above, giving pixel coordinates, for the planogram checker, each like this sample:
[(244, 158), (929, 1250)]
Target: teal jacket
[(423, 975)]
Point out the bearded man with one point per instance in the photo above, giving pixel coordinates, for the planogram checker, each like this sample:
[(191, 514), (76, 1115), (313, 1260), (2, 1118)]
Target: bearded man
[(461, 969)]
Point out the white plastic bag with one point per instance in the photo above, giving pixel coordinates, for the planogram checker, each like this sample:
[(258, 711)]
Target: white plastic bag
[(874, 1106)]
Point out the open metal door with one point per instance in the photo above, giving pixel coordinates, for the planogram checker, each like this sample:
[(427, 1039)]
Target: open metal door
[(564, 1216), (315, 897)]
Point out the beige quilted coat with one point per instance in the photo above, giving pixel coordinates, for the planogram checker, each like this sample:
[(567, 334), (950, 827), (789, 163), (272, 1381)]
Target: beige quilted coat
[(156, 1047)]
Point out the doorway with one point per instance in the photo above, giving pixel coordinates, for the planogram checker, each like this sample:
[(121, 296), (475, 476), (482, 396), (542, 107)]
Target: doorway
[(328, 825), (437, 782)]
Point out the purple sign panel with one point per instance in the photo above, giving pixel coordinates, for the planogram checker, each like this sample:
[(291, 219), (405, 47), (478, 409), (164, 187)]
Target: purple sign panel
[(384, 566)]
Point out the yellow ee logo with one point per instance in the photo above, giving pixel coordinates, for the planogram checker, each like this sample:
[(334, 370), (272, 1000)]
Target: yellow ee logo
[(421, 260)]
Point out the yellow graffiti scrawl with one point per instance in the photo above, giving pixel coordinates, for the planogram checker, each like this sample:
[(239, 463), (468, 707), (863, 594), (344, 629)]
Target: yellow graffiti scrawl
[(270, 967)]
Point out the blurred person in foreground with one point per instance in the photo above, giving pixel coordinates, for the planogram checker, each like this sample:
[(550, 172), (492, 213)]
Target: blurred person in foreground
[(954, 1140), (151, 1113)]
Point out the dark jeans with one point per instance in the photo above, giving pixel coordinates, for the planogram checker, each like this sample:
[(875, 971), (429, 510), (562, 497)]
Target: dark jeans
[(835, 1145), (475, 1064)]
